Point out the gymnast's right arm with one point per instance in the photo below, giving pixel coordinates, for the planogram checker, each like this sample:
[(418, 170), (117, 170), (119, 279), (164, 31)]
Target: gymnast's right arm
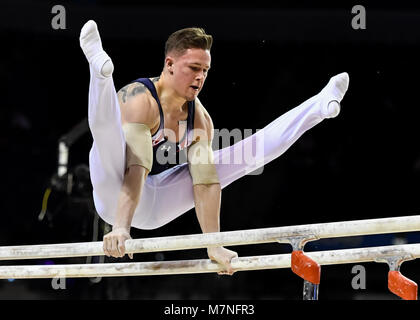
[(138, 117)]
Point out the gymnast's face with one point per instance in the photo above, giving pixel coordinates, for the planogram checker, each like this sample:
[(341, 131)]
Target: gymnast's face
[(189, 72)]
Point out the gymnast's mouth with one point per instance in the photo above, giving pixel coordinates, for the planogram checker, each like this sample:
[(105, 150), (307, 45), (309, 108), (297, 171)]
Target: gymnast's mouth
[(195, 87)]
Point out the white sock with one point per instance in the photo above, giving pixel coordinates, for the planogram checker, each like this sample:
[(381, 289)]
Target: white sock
[(91, 44), (333, 93)]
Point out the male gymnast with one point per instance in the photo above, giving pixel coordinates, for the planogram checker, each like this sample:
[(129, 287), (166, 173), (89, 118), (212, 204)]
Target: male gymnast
[(152, 158)]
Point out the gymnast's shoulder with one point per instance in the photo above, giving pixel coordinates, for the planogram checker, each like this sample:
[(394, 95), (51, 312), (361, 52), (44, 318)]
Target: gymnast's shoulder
[(202, 118), (138, 105)]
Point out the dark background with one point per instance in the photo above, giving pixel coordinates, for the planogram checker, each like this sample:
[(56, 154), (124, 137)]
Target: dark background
[(266, 59)]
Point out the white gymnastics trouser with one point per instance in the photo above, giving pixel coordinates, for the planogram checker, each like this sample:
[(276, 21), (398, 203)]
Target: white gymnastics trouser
[(168, 195)]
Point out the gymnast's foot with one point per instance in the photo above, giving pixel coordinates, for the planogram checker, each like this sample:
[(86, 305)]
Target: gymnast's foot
[(224, 257), (332, 95), (91, 44)]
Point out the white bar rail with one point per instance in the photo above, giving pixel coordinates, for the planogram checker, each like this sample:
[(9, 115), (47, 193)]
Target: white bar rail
[(229, 238), (330, 257)]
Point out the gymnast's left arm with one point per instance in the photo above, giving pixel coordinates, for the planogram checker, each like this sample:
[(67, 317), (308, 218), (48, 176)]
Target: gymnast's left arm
[(206, 185)]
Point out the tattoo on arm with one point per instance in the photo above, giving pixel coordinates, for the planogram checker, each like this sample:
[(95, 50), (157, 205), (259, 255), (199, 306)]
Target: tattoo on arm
[(131, 90), (137, 90), (123, 93)]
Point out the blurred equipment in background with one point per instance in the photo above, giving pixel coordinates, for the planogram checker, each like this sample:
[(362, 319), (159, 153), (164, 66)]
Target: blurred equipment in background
[(72, 215)]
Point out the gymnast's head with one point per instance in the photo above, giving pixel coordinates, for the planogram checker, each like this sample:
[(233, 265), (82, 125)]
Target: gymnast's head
[(187, 61)]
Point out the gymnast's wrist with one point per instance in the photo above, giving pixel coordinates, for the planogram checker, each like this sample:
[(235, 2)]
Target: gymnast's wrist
[(121, 226)]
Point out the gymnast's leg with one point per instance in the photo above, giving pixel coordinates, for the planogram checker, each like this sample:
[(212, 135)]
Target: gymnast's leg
[(274, 139), (107, 155)]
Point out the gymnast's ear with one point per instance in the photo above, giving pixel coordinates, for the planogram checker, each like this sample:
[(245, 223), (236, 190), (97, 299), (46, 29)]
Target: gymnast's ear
[(169, 61)]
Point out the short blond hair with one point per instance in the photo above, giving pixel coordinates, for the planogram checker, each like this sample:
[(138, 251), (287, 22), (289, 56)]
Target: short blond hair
[(188, 38)]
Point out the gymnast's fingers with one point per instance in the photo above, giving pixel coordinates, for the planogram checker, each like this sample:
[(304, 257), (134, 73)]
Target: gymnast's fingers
[(105, 244), (121, 246), (114, 247)]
